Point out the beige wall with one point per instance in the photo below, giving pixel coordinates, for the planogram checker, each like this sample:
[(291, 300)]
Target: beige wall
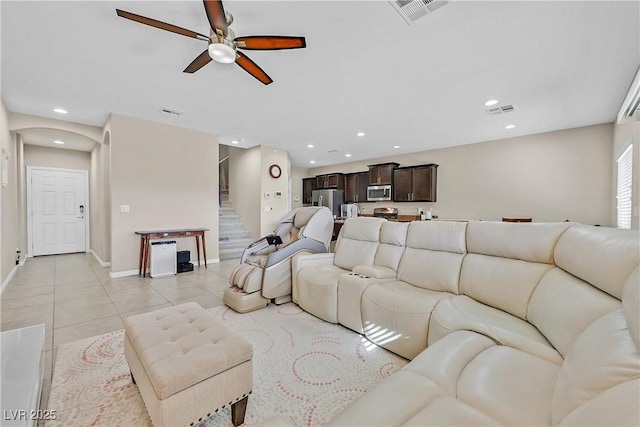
[(36, 155), (9, 239), (551, 177), (273, 208), (624, 135), (296, 185), (245, 186), (169, 177)]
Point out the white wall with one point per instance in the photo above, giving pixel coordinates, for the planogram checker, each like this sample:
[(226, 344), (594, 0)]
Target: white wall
[(625, 135), (169, 177), (550, 177)]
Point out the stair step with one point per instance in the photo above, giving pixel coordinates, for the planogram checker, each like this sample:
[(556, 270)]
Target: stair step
[(235, 243), (227, 254), (234, 234)]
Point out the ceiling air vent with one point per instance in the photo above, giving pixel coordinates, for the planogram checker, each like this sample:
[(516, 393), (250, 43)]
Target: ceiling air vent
[(501, 110), (170, 111), (334, 151), (411, 10)]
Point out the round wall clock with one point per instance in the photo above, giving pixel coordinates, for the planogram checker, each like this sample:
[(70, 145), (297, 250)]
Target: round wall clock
[(275, 171)]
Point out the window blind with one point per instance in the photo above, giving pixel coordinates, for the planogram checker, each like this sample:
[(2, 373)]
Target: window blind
[(623, 194)]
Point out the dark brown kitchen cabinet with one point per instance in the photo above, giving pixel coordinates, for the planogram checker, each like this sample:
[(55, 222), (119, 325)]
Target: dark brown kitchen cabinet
[(415, 183), (355, 187), (332, 180), (308, 185), (382, 174)]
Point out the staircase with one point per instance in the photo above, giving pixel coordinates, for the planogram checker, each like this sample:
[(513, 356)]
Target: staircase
[(234, 237)]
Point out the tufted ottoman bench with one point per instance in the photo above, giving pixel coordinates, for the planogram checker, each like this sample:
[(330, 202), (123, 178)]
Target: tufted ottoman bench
[(187, 365)]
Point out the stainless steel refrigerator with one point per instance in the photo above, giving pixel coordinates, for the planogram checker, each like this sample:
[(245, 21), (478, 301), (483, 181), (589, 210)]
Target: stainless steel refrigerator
[(329, 198)]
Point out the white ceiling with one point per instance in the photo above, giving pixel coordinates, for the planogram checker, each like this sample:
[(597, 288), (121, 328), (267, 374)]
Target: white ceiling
[(563, 64)]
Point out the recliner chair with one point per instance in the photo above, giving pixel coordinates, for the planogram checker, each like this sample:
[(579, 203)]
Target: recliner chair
[(264, 272)]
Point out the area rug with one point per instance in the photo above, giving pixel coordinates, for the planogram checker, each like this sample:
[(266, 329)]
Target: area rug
[(303, 368)]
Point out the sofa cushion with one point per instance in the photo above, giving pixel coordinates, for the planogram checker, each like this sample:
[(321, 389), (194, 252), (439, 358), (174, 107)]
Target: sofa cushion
[(463, 313), (510, 385), (396, 316), (602, 357), (617, 406), (533, 242), (504, 283), (358, 242), (631, 304), (562, 306), (393, 237), (602, 256), (449, 411), (445, 236)]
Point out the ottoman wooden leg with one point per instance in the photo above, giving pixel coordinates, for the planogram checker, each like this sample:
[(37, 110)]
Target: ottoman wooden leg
[(238, 410)]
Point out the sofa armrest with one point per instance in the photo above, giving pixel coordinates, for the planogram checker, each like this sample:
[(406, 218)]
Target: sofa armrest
[(375, 271), (300, 261)]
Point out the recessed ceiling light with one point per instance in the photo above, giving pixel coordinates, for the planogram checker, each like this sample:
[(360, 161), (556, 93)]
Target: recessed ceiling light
[(58, 142), (490, 102), (360, 134), (312, 161), (509, 126), (235, 141), (347, 155), (60, 110), (309, 145), (396, 146)]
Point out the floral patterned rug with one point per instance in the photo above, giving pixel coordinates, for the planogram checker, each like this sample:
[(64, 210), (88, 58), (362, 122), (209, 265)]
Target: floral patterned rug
[(304, 368)]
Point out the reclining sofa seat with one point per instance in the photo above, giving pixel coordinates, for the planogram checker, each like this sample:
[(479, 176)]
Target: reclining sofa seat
[(577, 286), (265, 270), (315, 281)]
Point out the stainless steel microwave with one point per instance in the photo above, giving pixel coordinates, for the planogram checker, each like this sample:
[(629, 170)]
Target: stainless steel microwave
[(377, 193)]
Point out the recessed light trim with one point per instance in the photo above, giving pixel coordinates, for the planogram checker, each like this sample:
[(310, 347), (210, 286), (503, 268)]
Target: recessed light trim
[(57, 141), (347, 155), (396, 146), (490, 102), (235, 141), (510, 126), (310, 145), (60, 110), (312, 161), (361, 134)]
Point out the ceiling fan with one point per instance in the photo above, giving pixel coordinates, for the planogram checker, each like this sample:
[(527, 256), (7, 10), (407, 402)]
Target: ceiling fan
[(223, 44)]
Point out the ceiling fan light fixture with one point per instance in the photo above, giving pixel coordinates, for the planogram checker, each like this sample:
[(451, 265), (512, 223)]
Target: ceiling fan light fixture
[(222, 52)]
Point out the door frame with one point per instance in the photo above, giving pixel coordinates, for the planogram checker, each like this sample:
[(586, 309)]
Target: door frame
[(29, 212)]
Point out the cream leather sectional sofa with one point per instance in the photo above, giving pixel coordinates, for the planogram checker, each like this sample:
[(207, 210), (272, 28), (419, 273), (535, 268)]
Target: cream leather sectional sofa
[(505, 323)]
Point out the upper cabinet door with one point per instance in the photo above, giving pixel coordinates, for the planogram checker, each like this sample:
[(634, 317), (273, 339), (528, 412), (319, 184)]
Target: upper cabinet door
[(424, 183), (350, 188), (382, 174), (402, 185)]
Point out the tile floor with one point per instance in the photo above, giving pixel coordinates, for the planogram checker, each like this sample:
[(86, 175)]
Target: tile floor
[(75, 298)]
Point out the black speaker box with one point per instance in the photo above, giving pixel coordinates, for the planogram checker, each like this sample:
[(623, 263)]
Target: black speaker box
[(184, 267), (184, 256)]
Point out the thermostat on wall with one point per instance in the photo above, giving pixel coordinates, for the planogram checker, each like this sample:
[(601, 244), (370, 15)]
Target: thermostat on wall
[(267, 195)]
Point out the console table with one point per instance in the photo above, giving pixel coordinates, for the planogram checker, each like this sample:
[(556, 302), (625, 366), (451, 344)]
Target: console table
[(145, 241)]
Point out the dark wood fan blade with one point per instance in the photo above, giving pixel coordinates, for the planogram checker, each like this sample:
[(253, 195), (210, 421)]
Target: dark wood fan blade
[(159, 24), (202, 60), (271, 42), (215, 14), (252, 68)]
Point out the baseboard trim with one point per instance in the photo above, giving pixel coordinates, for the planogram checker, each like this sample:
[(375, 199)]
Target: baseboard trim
[(100, 261), (8, 278), (125, 273), (209, 261)]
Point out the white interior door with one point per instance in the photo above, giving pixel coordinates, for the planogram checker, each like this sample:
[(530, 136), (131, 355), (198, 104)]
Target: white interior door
[(59, 211)]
